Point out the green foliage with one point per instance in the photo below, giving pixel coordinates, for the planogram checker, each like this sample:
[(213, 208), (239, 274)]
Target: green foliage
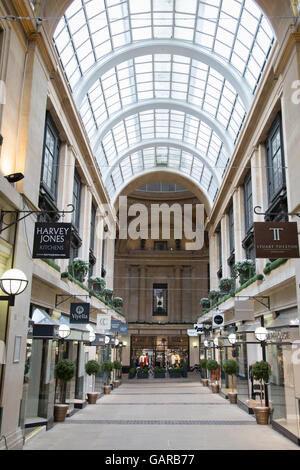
[(203, 363), (176, 370), (244, 269), (51, 263), (92, 367), (117, 365), (205, 302), (214, 295), (132, 371), (160, 370), (226, 285), (107, 366), (78, 268), (230, 367), (212, 365), (118, 302), (183, 363), (143, 371), (98, 284), (65, 370), (261, 371), (275, 264)]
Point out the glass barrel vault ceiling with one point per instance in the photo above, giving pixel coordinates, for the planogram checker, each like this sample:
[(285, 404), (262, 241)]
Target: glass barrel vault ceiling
[(163, 83)]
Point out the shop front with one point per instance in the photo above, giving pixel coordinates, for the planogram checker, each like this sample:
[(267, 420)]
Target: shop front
[(159, 350), (283, 354)]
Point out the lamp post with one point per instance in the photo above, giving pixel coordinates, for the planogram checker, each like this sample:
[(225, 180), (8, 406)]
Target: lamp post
[(13, 282)]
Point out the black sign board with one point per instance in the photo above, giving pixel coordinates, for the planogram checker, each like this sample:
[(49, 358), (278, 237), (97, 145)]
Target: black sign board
[(123, 328), (44, 331), (80, 313), (218, 319), (276, 240), (207, 326), (52, 240), (115, 325)]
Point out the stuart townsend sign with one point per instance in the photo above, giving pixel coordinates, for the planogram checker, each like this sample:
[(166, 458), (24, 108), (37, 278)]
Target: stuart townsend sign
[(52, 240), (276, 240)]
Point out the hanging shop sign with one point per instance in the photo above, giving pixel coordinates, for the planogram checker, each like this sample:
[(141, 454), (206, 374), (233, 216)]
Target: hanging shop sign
[(192, 332), (207, 325), (80, 313), (123, 329), (218, 319), (198, 327), (103, 321), (52, 240), (276, 240), (115, 325)]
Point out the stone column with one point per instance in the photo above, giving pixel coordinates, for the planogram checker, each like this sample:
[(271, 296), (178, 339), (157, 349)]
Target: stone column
[(225, 246), (109, 262), (194, 291), (85, 221), (259, 190), (177, 294), (214, 261), (98, 243), (142, 293), (239, 222)]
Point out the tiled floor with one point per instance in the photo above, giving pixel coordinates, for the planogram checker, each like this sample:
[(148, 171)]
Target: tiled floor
[(157, 415)]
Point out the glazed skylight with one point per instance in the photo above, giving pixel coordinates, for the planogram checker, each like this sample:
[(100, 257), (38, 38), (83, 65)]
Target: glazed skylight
[(161, 72)]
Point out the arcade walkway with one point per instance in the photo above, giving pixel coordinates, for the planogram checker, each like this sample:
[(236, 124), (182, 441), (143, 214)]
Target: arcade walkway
[(160, 414)]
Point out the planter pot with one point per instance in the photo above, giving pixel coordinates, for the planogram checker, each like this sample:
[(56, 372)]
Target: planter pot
[(262, 414), (215, 388), (232, 398), (92, 397), (184, 374), (175, 375), (106, 389), (60, 412), (142, 376), (205, 382), (131, 376), (159, 375), (116, 383)]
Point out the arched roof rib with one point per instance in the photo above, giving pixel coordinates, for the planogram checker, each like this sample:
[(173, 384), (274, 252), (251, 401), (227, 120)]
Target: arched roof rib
[(188, 69)]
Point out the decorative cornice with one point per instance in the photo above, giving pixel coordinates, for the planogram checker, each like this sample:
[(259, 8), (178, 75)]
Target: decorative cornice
[(293, 39)]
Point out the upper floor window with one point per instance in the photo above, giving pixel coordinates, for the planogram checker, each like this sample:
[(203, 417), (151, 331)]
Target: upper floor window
[(248, 202), (76, 199), (160, 299), (50, 157), (275, 159), (161, 245)]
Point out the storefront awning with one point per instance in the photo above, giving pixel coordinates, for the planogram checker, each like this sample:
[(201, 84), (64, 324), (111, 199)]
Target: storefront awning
[(288, 318), (44, 327)]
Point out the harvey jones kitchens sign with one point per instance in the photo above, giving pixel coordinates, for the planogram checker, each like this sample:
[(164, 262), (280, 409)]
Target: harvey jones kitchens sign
[(52, 240), (276, 240)]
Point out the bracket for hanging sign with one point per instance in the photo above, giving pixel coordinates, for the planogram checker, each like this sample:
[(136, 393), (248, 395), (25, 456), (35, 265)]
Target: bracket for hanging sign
[(68, 297), (259, 298), (297, 214), (27, 214)]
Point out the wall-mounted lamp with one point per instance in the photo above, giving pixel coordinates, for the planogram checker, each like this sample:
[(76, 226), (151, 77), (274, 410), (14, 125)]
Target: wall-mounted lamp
[(14, 177), (261, 334), (13, 282), (106, 340), (232, 338), (64, 331)]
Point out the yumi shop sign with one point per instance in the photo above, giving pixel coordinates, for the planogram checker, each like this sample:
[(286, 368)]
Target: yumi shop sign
[(276, 240), (52, 240)]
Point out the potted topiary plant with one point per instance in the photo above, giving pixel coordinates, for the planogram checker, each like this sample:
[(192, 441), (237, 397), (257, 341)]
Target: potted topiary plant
[(117, 302), (64, 372), (159, 372), (108, 294), (132, 373), (184, 367), (92, 368), (175, 372), (205, 302), (97, 284), (261, 371), (78, 268), (203, 365), (107, 366), (143, 373), (117, 367), (231, 368), (226, 285), (245, 269), (212, 365)]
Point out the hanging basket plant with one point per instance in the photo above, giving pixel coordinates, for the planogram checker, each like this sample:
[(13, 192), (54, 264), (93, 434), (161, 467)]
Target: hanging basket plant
[(108, 294), (97, 284), (214, 295), (244, 269), (118, 302), (226, 285), (205, 302), (78, 268)]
